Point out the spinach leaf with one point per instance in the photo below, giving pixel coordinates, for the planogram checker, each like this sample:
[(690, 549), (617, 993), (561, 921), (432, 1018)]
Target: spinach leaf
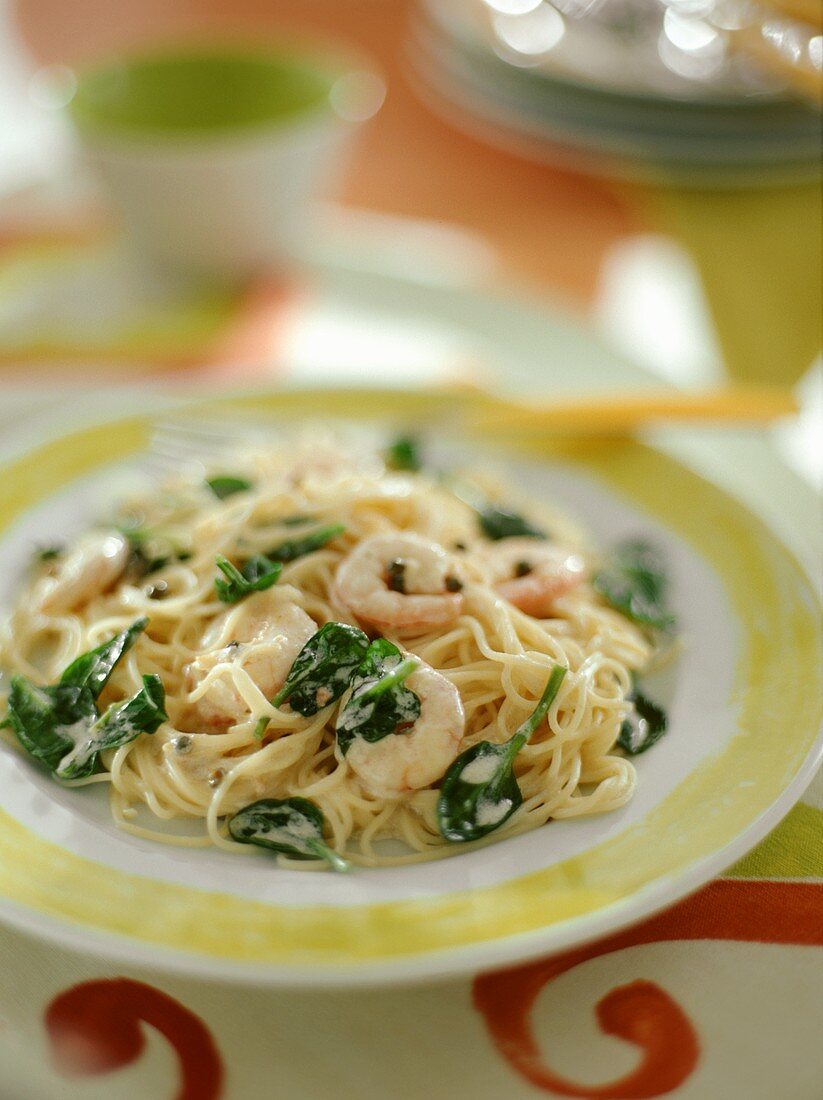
[(380, 704), (404, 454), (255, 575), (48, 719), (48, 553), (150, 549), (55, 721), (59, 725), (495, 521), (479, 791), (500, 523), (121, 723), (644, 726), (290, 825), (226, 486), (298, 547), (144, 565), (634, 582), (139, 538), (323, 668), (93, 669)]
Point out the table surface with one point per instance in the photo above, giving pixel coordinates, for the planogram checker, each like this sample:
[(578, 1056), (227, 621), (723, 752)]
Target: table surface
[(679, 1006)]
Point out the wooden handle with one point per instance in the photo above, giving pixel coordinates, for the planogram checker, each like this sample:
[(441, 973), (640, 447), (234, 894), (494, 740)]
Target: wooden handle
[(620, 413)]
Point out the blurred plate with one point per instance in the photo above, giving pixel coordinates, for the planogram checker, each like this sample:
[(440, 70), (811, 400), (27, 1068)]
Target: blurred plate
[(748, 141), (741, 747), (622, 48)]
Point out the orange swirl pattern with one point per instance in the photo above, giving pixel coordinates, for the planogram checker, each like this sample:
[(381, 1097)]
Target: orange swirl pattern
[(641, 1012), (94, 1028)]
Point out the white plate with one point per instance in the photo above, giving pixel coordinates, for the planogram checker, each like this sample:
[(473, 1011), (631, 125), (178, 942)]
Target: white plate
[(740, 751)]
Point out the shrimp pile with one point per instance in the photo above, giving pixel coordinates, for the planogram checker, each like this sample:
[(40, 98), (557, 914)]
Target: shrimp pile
[(484, 618)]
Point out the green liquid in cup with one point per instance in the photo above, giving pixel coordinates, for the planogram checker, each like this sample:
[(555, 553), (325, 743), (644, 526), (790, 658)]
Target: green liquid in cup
[(199, 92)]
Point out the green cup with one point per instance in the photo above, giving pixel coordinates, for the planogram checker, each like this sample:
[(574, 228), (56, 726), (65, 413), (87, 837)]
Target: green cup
[(214, 156)]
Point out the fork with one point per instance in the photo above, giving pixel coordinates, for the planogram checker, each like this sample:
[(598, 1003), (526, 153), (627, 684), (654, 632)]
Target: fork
[(186, 443)]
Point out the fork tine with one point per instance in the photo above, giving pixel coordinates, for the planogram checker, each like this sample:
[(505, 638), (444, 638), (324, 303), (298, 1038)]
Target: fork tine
[(176, 444)]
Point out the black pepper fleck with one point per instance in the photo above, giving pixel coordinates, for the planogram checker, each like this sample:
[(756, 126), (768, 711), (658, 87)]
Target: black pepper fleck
[(396, 576)]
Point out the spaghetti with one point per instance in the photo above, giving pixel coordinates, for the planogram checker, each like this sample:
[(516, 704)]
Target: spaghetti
[(316, 535)]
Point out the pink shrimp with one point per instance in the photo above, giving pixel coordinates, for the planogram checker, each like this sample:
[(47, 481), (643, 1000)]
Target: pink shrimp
[(262, 635), (400, 583), (409, 761), (90, 567), (531, 574)]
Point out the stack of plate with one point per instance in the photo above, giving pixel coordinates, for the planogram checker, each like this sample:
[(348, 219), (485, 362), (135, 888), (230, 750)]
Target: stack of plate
[(634, 88)]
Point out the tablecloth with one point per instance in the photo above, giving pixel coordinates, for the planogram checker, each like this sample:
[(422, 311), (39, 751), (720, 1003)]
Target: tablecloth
[(720, 996)]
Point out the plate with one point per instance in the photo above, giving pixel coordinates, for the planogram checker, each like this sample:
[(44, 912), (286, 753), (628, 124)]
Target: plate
[(542, 109), (743, 742)]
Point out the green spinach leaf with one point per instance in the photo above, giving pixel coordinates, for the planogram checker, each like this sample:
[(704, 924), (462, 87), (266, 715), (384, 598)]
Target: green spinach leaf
[(144, 566), (479, 792), (323, 668), (48, 553), (634, 582), (255, 575), (299, 547), (645, 725), (225, 485), (121, 723), (501, 523), (496, 522), (293, 826), (47, 720), (150, 548), (404, 454), (380, 704), (92, 669), (61, 720)]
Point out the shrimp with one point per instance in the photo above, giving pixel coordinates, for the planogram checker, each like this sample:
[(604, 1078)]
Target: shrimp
[(325, 460), (533, 574), (263, 635), (399, 583), (402, 762), (91, 566)]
